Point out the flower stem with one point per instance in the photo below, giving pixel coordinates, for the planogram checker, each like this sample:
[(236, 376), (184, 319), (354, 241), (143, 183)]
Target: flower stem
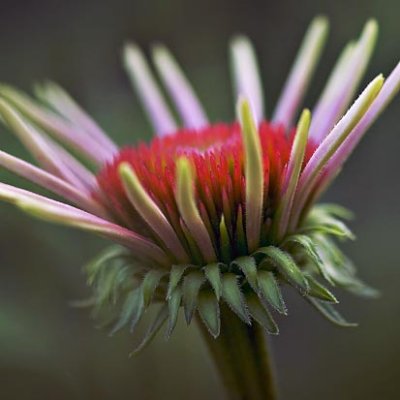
[(241, 356)]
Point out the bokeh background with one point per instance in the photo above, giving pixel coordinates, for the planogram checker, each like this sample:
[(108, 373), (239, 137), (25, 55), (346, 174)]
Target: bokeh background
[(49, 350)]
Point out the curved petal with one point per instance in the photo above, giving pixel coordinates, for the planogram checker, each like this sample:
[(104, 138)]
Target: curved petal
[(179, 88), (144, 83), (343, 82), (390, 88), (57, 98), (150, 212), (56, 126), (54, 211), (83, 178), (51, 182), (301, 73), (330, 145), (36, 143), (246, 74)]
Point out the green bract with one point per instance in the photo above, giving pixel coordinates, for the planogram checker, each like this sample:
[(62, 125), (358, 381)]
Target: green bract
[(252, 286)]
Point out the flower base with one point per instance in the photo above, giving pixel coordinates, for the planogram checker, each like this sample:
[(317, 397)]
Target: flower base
[(242, 358)]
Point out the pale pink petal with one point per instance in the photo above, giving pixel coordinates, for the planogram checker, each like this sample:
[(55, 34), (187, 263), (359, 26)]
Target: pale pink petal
[(179, 88), (301, 73), (56, 126), (52, 183), (37, 144), (148, 91), (54, 211), (390, 88), (246, 74), (343, 83), (79, 176), (57, 98), (331, 143)]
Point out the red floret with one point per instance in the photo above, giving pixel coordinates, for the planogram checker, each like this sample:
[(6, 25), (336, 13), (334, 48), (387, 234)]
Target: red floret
[(217, 155)]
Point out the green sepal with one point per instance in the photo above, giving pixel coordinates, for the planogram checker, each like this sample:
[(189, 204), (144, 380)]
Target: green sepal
[(150, 284), (329, 312), (175, 276), (286, 267), (341, 271), (132, 308), (359, 288), (191, 286), (249, 268), (261, 314), (225, 246), (310, 249), (320, 222), (345, 280), (334, 210), (213, 275), (269, 290), (320, 292), (332, 251), (158, 322), (93, 267), (174, 303), (108, 282), (209, 312), (233, 296)]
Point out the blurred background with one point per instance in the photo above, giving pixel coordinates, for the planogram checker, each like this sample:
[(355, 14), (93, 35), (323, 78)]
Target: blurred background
[(49, 350)]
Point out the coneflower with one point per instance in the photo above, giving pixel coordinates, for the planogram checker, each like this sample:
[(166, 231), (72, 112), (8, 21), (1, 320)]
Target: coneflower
[(214, 218)]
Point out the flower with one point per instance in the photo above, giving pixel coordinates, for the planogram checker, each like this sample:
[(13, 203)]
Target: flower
[(205, 212)]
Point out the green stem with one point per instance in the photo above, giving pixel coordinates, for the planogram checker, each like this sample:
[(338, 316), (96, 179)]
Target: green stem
[(241, 356)]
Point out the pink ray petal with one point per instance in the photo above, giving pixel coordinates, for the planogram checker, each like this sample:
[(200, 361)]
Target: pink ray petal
[(56, 126), (37, 144), (301, 73), (57, 98), (52, 183), (179, 88), (390, 88), (343, 83), (54, 211), (246, 74), (148, 91)]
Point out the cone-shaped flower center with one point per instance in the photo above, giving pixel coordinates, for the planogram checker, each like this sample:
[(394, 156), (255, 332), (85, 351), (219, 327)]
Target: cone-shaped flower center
[(217, 157)]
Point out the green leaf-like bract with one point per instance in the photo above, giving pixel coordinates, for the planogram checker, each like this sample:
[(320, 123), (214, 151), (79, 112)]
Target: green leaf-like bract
[(234, 297), (209, 312), (260, 313), (270, 291), (249, 284), (191, 286), (174, 304), (213, 275), (286, 266), (249, 268)]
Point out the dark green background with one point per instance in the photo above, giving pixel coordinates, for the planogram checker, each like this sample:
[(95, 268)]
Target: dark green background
[(49, 350)]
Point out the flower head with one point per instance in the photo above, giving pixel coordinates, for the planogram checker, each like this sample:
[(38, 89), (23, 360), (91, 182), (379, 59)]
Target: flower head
[(206, 212)]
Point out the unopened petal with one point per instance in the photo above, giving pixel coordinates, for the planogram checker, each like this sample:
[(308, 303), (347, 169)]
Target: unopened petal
[(150, 212), (185, 199), (254, 173), (292, 174)]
